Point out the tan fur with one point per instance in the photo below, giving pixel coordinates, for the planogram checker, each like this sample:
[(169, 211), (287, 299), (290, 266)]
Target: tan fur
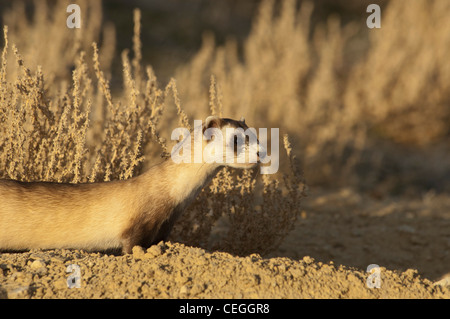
[(98, 216)]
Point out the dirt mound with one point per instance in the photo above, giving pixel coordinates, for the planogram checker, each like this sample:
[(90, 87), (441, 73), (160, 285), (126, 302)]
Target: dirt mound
[(170, 270)]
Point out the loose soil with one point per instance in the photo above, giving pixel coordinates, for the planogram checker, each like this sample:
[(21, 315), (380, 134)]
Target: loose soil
[(338, 235)]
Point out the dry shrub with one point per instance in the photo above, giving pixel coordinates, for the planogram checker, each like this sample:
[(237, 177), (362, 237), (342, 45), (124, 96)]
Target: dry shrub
[(71, 128), (242, 214)]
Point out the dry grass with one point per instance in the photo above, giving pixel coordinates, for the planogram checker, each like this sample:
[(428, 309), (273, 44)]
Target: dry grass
[(61, 121)]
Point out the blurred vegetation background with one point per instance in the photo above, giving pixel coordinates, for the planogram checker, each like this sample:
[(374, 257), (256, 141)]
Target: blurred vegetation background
[(365, 108), (172, 30)]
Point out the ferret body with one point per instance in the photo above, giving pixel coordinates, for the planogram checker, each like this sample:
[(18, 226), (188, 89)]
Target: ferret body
[(106, 215)]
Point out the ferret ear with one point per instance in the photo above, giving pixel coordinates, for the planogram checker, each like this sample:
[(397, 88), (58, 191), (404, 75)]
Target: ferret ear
[(210, 122), (242, 120)]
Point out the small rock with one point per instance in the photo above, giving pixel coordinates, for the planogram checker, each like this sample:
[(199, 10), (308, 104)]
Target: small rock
[(138, 252), (154, 251), (39, 267), (184, 290), (308, 260), (60, 283), (37, 264)]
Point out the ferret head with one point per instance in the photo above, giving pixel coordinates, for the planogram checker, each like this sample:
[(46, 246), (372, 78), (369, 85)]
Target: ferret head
[(231, 143)]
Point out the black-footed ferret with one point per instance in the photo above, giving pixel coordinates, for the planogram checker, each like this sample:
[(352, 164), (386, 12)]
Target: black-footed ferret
[(111, 215)]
